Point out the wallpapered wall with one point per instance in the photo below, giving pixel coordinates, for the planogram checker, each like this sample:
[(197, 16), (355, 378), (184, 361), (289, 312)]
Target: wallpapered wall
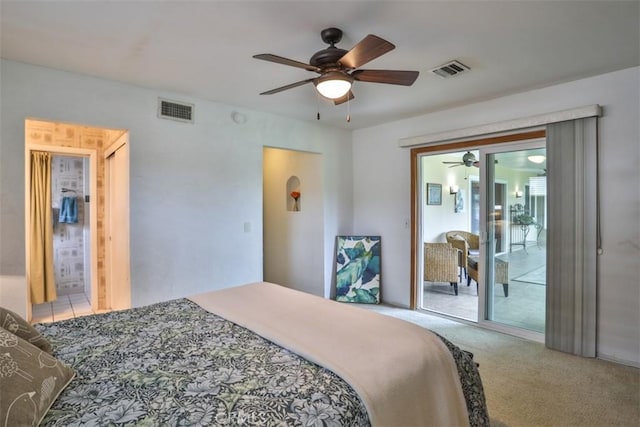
[(68, 238)]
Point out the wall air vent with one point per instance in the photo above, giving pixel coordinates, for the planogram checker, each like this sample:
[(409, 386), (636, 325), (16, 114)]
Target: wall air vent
[(173, 110), (450, 69)]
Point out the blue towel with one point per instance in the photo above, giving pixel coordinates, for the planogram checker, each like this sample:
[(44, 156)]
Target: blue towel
[(68, 210)]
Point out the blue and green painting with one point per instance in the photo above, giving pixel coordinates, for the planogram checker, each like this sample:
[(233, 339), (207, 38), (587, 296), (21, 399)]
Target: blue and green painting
[(358, 269)]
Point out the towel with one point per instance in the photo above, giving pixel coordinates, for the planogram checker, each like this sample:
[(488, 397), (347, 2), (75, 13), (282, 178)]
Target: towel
[(68, 210)]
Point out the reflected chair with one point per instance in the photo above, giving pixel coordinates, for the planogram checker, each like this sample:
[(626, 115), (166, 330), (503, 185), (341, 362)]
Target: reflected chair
[(441, 264)]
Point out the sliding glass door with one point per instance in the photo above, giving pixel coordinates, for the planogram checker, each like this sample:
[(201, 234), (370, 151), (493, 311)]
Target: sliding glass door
[(489, 202), (512, 260)]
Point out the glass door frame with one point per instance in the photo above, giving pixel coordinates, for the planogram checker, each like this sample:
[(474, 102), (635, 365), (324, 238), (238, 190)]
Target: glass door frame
[(477, 142), (484, 304)]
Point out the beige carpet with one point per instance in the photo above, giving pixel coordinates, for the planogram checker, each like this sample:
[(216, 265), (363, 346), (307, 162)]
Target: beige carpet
[(527, 384)]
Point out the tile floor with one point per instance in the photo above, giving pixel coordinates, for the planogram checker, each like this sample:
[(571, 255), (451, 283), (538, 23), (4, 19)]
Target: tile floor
[(65, 307), (524, 308)]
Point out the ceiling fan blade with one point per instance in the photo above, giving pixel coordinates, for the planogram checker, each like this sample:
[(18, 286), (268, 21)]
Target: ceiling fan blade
[(349, 96), (392, 77), (455, 166), (453, 163), (366, 50), (290, 86), (286, 61)]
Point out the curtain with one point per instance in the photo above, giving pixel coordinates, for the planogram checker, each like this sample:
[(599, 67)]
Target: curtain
[(41, 275), (572, 244)]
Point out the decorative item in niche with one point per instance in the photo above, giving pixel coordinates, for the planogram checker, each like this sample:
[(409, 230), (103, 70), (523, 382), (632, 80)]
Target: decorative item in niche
[(434, 194), (459, 202), (295, 195), (358, 269), (292, 194)]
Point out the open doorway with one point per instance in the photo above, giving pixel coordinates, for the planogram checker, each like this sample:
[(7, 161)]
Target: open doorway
[(78, 200), (70, 189), (293, 220)]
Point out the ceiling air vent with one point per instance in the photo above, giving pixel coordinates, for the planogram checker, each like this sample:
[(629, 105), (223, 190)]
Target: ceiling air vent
[(180, 111), (450, 69)]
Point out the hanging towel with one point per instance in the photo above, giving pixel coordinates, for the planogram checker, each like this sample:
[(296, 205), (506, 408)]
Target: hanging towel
[(68, 210)]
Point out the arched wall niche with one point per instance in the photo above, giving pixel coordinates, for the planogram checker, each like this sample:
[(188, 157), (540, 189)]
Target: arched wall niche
[(293, 185)]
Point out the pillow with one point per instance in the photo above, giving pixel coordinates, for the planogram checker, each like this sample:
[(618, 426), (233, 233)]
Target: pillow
[(15, 324), (30, 381)]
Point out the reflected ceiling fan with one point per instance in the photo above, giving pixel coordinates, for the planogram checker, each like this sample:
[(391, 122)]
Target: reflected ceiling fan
[(338, 68), (468, 160)]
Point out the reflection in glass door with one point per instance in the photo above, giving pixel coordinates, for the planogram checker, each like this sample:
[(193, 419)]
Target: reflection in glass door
[(514, 250)]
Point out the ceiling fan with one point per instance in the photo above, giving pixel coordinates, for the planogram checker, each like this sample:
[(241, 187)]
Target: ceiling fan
[(338, 68), (468, 160)]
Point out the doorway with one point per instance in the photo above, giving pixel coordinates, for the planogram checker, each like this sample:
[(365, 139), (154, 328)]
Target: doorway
[(71, 239), (86, 148), (293, 220), (488, 187)]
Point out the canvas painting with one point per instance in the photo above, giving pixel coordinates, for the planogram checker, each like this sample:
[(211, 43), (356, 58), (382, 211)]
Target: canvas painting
[(358, 269)]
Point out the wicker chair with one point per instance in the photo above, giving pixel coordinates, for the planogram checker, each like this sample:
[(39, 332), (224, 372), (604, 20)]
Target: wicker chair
[(441, 264), (467, 243)]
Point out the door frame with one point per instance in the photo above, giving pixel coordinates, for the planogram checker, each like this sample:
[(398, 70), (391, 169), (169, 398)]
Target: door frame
[(117, 259), (111, 138), (416, 193), (485, 304)]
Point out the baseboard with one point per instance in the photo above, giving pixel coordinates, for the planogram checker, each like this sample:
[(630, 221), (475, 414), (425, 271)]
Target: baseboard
[(619, 361)]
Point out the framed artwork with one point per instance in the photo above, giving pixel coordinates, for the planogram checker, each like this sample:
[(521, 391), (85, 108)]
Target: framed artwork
[(358, 269), (434, 194)]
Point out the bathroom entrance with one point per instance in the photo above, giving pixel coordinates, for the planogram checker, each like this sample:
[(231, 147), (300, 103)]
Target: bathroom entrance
[(76, 219)]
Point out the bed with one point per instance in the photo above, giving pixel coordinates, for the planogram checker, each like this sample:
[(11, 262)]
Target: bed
[(258, 354)]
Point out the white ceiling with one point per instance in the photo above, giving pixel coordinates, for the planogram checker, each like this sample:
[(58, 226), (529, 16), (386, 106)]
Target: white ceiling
[(205, 48)]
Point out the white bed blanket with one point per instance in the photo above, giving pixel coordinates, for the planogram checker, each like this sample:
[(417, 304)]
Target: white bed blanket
[(404, 374)]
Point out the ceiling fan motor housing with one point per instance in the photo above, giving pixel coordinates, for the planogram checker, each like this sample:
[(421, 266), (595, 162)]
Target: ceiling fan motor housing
[(468, 159), (327, 57)]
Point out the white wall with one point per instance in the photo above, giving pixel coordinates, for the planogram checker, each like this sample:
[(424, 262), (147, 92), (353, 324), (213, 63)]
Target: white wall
[(438, 219), (293, 240), (193, 186), (382, 200)]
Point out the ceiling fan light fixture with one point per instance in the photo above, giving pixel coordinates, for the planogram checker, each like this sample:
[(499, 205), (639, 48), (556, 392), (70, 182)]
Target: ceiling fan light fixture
[(334, 84), (537, 159)]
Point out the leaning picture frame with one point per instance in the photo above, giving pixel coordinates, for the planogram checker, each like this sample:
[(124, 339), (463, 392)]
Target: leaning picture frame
[(358, 269), (434, 194)]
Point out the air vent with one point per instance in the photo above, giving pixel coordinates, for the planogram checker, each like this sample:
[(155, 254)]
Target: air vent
[(450, 69), (173, 110)]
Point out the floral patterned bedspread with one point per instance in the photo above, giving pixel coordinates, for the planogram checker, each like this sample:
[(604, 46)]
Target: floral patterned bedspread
[(175, 364)]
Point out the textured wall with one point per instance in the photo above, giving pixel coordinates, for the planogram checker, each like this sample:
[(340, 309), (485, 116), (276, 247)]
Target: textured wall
[(192, 186)]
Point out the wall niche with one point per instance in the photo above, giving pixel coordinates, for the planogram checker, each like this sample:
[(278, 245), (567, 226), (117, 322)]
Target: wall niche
[(293, 194)]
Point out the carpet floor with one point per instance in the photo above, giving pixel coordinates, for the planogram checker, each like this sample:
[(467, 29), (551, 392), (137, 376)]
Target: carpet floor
[(526, 384)]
